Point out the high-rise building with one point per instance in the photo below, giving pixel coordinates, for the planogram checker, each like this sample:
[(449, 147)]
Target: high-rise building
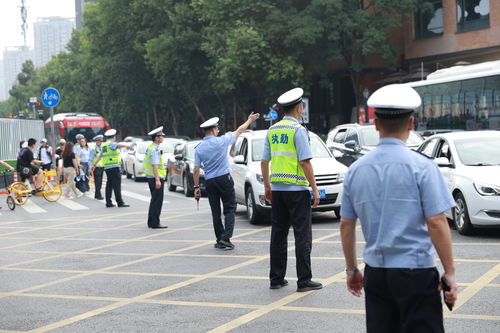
[(51, 36), (13, 59), (79, 8), (3, 95)]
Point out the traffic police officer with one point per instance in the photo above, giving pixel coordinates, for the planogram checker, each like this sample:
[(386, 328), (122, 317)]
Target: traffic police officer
[(287, 147), (99, 167), (400, 198), (112, 162), (154, 168), (212, 155)]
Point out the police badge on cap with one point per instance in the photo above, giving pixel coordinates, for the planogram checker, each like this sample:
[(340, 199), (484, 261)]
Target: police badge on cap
[(394, 101)]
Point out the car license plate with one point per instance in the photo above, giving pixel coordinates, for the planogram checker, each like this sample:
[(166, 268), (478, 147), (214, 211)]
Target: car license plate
[(322, 194)]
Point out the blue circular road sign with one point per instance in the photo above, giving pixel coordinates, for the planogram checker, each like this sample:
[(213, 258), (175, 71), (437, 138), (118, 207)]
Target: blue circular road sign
[(273, 115), (51, 97)]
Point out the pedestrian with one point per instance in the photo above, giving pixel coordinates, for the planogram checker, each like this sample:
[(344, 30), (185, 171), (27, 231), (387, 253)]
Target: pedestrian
[(154, 168), (59, 165), (212, 155), (286, 188), (71, 170), (400, 198), (45, 154), (99, 167), (82, 155), (27, 164), (110, 155)]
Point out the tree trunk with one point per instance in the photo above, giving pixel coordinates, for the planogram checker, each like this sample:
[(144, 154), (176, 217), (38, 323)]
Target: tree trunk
[(175, 121)]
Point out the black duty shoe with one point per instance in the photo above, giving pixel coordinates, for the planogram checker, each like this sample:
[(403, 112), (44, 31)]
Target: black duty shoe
[(218, 245), (227, 244), (124, 205), (159, 226), (309, 285), (280, 285), (99, 198), (110, 205)]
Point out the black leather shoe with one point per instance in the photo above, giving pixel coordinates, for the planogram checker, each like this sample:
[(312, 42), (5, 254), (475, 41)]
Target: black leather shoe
[(280, 285), (124, 205), (159, 226), (111, 205), (99, 198), (218, 245), (227, 244), (309, 285)]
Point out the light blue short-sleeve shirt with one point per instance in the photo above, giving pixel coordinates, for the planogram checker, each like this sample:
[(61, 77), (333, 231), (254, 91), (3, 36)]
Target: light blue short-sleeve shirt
[(212, 155), (301, 140), (392, 190)]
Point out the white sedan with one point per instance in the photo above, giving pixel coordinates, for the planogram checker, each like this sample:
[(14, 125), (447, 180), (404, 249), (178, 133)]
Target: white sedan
[(470, 164), (133, 161), (248, 181)]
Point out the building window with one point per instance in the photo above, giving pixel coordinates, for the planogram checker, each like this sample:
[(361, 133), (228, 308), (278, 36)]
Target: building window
[(473, 14), (429, 21)]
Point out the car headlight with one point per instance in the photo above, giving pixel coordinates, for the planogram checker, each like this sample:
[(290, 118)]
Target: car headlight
[(341, 177), (259, 178), (487, 190)]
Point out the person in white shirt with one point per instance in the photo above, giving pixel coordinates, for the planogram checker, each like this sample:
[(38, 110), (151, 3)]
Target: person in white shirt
[(45, 154)]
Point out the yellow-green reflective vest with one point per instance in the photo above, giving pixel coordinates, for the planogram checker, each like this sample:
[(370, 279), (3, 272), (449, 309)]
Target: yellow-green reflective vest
[(97, 151), (110, 157), (285, 164), (147, 167)]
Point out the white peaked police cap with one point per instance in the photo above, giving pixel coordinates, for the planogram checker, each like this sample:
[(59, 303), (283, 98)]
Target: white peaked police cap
[(212, 122), (110, 132), (291, 97), (157, 132), (394, 101)]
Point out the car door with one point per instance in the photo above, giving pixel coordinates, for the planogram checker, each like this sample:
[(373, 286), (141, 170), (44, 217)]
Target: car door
[(338, 144), (238, 170), (351, 154), (443, 150), (176, 164)]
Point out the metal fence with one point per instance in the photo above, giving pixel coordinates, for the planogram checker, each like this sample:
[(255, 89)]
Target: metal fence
[(12, 131)]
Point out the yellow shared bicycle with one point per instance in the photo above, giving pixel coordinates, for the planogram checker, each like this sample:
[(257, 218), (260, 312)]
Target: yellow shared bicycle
[(51, 190)]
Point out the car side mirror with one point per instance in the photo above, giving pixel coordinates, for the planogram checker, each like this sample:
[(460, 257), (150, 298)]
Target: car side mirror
[(351, 144), (337, 153), (178, 157), (443, 162), (239, 159)]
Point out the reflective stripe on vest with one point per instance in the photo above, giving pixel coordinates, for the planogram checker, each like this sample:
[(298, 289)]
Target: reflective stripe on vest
[(97, 151), (285, 164), (110, 157), (147, 166)]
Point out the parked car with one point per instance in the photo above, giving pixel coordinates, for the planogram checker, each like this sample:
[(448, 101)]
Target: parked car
[(124, 151), (429, 132), (180, 169), (470, 164), (249, 184), (354, 141), (133, 161)]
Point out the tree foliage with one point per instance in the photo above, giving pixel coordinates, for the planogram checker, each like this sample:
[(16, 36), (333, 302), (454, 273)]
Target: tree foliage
[(176, 62)]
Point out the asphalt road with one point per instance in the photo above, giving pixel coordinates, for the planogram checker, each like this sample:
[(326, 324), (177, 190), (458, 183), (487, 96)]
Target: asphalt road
[(76, 266)]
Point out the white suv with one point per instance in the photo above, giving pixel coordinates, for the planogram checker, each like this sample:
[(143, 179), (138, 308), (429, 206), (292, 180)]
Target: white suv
[(248, 182)]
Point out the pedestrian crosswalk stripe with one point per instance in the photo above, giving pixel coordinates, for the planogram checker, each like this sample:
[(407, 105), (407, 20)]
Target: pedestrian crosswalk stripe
[(71, 204), (138, 196), (32, 207)]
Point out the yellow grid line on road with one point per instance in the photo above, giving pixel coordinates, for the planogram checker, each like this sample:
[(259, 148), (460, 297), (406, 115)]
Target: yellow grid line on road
[(159, 291)]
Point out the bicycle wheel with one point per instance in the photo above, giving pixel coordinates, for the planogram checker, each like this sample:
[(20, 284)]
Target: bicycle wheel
[(51, 191), (19, 192), (11, 203)]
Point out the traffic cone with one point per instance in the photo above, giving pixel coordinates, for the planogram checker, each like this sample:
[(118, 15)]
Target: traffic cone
[(15, 177)]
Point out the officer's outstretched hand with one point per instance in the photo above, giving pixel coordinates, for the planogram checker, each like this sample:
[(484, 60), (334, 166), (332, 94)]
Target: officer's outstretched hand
[(253, 116), (355, 284), (197, 194)]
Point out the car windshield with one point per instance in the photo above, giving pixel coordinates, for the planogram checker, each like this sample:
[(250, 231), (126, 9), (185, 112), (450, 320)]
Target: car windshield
[(165, 147), (371, 137), (318, 149), (479, 151), (190, 149)]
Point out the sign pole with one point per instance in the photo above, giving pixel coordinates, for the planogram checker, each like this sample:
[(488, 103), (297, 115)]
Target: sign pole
[(53, 137)]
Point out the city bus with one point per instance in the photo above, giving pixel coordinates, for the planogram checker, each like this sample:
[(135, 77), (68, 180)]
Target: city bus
[(68, 125), (460, 98)]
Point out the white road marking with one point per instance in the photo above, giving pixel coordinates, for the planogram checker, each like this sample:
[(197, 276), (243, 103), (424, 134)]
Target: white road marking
[(71, 204), (32, 207), (138, 196)]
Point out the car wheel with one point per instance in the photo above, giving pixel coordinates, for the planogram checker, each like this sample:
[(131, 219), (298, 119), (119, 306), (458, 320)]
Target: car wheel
[(171, 187), (461, 216), (188, 192), (135, 176), (254, 216), (337, 212)]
